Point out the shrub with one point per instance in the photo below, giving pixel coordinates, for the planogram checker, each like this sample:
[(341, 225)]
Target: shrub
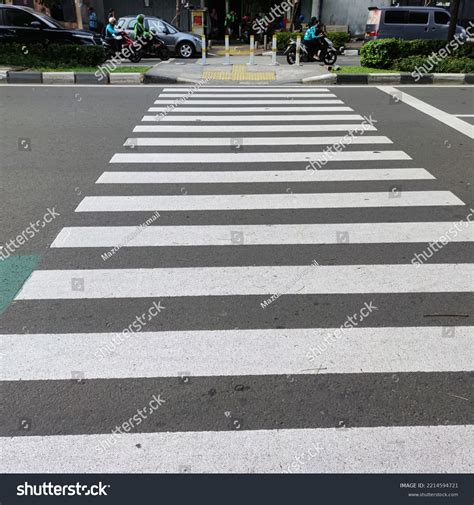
[(283, 39), (339, 39), (51, 55), (447, 65), (379, 53), (385, 53)]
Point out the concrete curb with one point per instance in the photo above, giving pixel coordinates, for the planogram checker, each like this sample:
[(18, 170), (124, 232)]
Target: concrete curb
[(24, 77), (91, 78), (125, 78), (380, 78), (58, 78), (321, 79)]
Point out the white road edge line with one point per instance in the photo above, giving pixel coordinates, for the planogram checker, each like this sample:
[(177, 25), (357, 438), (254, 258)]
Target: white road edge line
[(438, 114)]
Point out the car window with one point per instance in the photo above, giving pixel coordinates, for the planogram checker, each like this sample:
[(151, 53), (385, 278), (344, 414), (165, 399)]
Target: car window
[(17, 17), (171, 28), (396, 17), (442, 18), (418, 18), (120, 22), (131, 24), (158, 25)]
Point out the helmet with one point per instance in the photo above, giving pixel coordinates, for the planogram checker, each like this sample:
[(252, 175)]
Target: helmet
[(140, 18), (112, 20)]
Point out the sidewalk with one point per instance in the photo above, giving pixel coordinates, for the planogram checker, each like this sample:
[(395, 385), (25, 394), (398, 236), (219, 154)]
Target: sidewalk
[(262, 72)]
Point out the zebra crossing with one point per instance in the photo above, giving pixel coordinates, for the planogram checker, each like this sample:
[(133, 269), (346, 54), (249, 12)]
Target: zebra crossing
[(293, 310)]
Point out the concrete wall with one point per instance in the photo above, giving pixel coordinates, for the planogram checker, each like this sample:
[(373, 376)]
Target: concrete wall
[(349, 12)]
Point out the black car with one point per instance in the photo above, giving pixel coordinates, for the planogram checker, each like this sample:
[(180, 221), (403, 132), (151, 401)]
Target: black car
[(27, 26)]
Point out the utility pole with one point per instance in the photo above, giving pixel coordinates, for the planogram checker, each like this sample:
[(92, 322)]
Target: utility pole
[(455, 4), (177, 20)]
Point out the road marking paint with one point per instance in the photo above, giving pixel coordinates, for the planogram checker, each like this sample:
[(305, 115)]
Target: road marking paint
[(225, 177), (387, 449), (226, 353), (250, 95), (254, 141), (448, 119), (257, 118), (264, 90), (237, 110), (279, 234), (135, 203), (244, 129), (255, 101), (258, 157), (248, 280)]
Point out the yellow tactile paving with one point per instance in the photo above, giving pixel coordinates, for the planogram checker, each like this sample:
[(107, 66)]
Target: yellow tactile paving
[(238, 73)]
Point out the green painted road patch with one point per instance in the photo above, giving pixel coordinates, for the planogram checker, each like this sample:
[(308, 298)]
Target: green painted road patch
[(14, 272)]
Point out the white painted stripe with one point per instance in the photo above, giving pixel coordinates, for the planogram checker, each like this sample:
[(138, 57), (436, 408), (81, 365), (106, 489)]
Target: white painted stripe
[(257, 118), (464, 115), (255, 141), (448, 119), (266, 201), (222, 235), (255, 101), (258, 157), (283, 128), (226, 353), (371, 174), (387, 449), (314, 94), (238, 110), (249, 280), (264, 90)]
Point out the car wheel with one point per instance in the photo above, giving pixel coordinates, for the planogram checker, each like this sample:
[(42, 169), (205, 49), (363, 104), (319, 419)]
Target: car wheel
[(185, 50)]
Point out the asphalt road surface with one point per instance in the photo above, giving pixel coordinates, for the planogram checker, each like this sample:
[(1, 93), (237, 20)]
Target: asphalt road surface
[(182, 291)]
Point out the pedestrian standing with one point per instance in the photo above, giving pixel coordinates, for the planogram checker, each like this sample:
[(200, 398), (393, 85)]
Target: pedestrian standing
[(92, 20)]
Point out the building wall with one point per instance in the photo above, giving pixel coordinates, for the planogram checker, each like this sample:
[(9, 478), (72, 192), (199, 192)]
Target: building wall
[(349, 12), (162, 8)]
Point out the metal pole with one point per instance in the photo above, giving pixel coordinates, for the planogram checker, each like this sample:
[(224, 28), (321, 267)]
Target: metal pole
[(252, 50), (203, 50), (265, 42), (227, 51), (274, 50), (298, 47)]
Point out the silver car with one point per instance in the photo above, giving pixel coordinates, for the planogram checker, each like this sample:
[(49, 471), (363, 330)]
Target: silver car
[(183, 44)]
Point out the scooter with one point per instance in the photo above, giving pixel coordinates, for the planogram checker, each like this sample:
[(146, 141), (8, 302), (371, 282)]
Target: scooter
[(156, 48), (326, 54)]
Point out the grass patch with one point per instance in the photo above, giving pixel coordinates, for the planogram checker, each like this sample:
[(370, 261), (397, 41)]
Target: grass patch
[(363, 70), (121, 69)]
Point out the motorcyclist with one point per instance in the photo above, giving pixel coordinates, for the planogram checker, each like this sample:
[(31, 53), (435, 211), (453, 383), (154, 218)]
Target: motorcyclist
[(140, 30), (312, 38), (112, 35)]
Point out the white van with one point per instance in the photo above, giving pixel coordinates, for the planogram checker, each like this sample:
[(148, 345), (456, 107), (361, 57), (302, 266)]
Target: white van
[(409, 23)]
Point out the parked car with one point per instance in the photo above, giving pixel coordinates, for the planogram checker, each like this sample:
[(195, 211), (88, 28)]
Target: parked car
[(409, 23), (183, 44), (27, 26)]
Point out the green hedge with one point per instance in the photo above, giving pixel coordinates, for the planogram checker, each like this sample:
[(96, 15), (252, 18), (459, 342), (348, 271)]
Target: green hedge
[(448, 65), (338, 39), (51, 55), (386, 53)]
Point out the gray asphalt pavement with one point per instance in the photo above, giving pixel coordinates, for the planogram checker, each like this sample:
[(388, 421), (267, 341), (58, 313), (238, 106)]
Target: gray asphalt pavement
[(400, 372)]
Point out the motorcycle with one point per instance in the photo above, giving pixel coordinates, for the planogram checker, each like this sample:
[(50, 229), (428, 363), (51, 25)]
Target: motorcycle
[(327, 53), (126, 44), (154, 48)]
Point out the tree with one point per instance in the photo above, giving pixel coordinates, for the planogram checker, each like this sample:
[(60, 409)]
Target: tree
[(455, 4)]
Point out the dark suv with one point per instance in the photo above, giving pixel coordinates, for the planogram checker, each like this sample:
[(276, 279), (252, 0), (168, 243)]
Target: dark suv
[(27, 26)]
